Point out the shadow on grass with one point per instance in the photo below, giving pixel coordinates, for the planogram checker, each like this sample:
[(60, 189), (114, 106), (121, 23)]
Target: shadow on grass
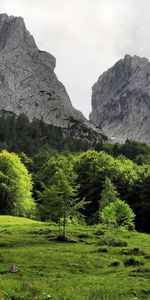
[(31, 243)]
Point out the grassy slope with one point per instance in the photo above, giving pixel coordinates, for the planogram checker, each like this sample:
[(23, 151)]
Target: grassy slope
[(68, 271)]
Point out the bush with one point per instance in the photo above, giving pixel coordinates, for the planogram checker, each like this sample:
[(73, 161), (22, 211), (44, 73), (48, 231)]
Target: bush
[(118, 214), (99, 232), (84, 236), (114, 263), (117, 243), (112, 241), (132, 261), (103, 250), (66, 239), (133, 251), (15, 187)]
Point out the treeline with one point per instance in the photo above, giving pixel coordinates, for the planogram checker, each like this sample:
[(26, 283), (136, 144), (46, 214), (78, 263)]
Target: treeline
[(17, 134), (15, 187), (136, 151), (132, 181), (30, 186)]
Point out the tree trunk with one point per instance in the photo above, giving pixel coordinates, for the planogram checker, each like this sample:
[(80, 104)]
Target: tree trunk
[(64, 226), (59, 227), (59, 222)]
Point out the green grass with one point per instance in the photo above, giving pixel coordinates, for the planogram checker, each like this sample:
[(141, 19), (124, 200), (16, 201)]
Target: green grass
[(49, 269)]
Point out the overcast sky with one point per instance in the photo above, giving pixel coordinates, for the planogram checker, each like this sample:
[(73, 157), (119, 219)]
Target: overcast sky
[(85, 36)]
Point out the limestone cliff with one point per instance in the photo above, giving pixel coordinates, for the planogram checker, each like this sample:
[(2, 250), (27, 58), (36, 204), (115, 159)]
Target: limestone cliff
[(121, 100), (28, 84)]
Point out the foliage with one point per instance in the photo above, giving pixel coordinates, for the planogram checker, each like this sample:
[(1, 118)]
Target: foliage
[(103, 250), (93, 167), (132, 251), (114, 263), (61, 198), (133, 150), (27, 161), (109, 194), (17, 134), (143, 159), (132, 181), (112, 241), (133, 261), (118, 214), (15, 187)]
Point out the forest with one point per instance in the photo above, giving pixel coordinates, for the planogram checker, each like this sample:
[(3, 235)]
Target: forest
[(35, 186)]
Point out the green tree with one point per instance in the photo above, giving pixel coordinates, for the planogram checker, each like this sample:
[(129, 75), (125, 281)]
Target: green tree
[(5, 192), (118, 214), (109, 194), (27, 161), (15, 187), (93, 167), (60, 199)]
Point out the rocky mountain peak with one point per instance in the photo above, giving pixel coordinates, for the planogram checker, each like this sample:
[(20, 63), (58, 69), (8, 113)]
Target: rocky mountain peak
[(134, 60), (28, 84), (121, 100), (14, 35)]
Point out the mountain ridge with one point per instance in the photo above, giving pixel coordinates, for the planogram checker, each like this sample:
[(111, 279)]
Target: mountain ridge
[(28, 84), (121, 100)]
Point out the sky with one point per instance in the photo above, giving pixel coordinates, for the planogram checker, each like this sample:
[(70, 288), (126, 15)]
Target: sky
[(86, 36)]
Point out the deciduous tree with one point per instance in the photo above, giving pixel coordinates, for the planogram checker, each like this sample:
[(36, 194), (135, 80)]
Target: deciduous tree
[(15, 187)]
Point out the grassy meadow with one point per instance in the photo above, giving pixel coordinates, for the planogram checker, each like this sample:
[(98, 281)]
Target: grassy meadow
[(95, 263)]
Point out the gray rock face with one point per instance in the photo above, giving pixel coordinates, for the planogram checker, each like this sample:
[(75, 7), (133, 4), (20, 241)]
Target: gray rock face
[(29, 85), (121, 100)]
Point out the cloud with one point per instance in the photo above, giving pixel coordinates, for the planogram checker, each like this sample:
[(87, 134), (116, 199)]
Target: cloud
[(86, 36)]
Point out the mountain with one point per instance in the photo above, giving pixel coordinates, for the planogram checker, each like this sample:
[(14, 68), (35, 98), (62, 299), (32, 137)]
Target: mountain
[(29, 86), (121, 100)]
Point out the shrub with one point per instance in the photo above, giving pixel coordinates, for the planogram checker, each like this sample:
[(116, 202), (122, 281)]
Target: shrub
[(99, 232), (103, 250), (112, 241), (84, 235), (114, 263), (133, 261), (118, 214), (133, 251), (117, 243), (66, 239)]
